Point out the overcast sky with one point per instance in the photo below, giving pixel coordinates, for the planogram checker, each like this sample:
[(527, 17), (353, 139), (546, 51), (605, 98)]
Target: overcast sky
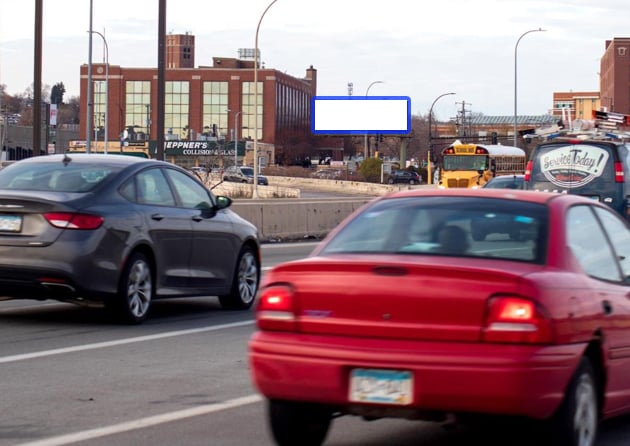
[(418, 49)]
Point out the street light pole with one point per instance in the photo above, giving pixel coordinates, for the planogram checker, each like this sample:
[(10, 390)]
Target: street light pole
[(429, 180), (365, 142), (515, 77), (236, 138), (255, 182), (106, 86)]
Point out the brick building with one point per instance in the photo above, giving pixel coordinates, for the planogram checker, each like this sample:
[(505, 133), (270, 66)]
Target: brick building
[(614, 76), (207, 103)]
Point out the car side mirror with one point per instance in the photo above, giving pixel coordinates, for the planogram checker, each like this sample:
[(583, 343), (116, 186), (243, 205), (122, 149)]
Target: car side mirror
[(223, 202)]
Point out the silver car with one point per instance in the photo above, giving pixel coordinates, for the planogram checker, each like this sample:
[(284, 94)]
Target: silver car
[(243, 174), (120, 231)]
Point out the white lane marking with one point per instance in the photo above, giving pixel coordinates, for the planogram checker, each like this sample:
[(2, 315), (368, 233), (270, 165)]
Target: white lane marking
[(144, 422), (78, 348)]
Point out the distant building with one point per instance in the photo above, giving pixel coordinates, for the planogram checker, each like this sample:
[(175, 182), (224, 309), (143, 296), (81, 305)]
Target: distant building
[(207, 103), (614, 76), (569, 106)]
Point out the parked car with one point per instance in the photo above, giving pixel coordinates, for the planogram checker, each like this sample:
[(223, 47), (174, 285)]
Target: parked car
[(404, 176), (328, 174), (506, 182), (243, 174), (120, 231), (400, 312)]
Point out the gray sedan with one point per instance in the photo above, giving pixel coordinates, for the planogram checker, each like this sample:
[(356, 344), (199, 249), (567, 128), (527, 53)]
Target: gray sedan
[(120, 231)]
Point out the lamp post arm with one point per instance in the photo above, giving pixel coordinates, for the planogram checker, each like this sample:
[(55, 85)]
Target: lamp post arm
[(255, 182), (515, 79), (429, 179), (365, 142), (105, 139)]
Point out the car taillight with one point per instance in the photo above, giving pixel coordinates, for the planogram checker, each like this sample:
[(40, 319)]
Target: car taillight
[(528, 170), (276, 309), (511, 319), (72, 220), (619, 176)]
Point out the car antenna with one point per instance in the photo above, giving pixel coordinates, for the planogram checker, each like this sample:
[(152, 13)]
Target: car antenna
[(66, 159)]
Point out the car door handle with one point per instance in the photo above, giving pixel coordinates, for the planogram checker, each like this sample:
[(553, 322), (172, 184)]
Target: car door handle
[(197, 218), (157, 217)]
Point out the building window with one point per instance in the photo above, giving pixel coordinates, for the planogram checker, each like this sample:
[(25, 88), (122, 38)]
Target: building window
[(249, 110), (99, 110), (138, 109), (215, 107), (176, 109)]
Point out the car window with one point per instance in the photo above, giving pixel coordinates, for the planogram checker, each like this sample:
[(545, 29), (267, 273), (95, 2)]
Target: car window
[(192, 195), (54, 177), (153, 188), (589, 244), (462, 226), (619, 235)]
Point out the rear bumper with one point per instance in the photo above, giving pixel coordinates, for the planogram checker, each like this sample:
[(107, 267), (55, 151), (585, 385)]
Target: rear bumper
[(448, 377), (68, 270)]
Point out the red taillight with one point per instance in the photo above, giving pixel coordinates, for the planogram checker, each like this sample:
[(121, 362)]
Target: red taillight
[(512, 319), (619, 177), (276, 309), (71, 220), (528, 170)]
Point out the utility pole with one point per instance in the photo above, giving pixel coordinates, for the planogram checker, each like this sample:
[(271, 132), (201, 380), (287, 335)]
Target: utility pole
[(463, 121)]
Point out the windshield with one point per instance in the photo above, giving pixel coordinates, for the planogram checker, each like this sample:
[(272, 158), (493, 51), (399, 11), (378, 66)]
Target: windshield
[(462, 226), (465, 162), (247, 171)]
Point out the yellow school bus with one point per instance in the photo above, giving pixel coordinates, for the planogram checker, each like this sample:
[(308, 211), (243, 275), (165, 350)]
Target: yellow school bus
[(473, 165)]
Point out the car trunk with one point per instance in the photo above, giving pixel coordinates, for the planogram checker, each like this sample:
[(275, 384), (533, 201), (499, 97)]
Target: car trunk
[(391, 297), (22, 222)]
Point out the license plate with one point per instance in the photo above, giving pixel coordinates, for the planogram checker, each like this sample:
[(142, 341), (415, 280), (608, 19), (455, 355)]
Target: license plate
[(381, 386), (10, 223)]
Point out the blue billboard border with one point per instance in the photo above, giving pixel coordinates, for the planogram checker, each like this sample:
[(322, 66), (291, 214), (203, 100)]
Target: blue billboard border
[(364, 131)]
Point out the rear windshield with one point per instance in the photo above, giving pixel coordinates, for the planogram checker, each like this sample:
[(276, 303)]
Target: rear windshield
[(581, 168), (451, 226), (57, 177)]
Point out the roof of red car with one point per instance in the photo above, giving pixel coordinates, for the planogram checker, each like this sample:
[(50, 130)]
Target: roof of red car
[(510, 194)]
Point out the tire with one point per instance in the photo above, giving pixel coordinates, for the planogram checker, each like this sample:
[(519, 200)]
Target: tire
[(390, 181), (135, 291), (294, 423), (576, 421), (245, 282), (412, 182)]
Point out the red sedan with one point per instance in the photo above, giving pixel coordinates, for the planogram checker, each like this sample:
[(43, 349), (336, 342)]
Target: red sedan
[(401, 312)]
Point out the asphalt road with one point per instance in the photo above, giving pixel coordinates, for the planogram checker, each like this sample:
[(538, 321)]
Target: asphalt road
[(70, 376)]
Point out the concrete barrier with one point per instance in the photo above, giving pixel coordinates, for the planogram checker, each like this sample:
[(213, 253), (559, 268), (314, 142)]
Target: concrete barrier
[(285, 220), (295, 219)]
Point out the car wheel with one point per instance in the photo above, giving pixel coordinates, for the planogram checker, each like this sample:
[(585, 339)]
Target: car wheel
[(295, 423), (412, 182), (390, 181), (135, 292), (245, 282), (577, 419)]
